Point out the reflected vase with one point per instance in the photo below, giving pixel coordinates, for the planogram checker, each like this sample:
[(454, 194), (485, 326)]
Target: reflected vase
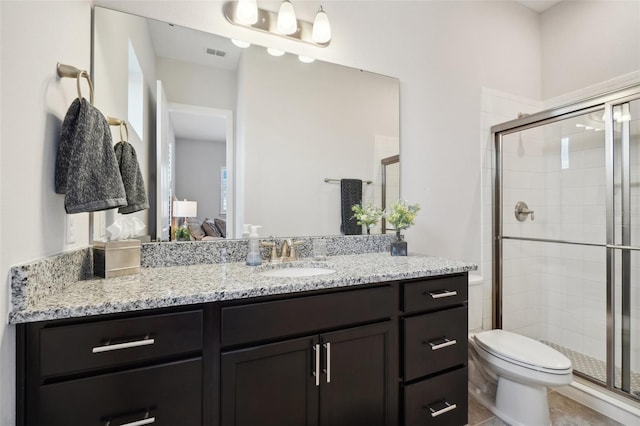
[(399, 245)]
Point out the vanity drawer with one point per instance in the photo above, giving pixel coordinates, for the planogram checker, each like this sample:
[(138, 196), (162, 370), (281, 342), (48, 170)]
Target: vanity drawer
[(434, 293), (434, 342), (82, 347), (171, 394), (301, 315), (441, 400)]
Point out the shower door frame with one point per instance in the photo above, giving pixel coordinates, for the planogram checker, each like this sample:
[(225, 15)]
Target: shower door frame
[(603, 102)]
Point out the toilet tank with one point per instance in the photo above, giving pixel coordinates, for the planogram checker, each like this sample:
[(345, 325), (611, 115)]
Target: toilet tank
[(475, 302)]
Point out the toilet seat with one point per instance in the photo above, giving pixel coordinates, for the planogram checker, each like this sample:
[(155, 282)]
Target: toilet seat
[(523, 351)]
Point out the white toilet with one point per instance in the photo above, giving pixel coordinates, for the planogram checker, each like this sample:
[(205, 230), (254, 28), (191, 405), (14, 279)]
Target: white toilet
[(510, 373)]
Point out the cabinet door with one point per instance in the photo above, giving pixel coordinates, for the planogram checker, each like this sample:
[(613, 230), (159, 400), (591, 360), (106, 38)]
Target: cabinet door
[(271, 385), (358, 387)]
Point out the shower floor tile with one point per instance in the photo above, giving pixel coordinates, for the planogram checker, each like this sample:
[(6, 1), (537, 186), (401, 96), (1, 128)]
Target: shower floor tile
[(595, 368)]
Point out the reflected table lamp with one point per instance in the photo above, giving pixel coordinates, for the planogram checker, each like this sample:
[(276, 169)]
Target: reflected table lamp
[(184, 209)]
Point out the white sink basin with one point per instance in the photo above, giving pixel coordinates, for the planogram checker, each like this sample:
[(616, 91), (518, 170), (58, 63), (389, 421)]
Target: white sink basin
[(296, 272)]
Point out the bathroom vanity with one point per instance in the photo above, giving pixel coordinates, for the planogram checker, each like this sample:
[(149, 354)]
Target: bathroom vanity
[(380, 342)]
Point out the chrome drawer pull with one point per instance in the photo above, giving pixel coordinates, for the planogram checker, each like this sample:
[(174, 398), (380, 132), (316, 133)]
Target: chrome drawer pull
[(327, 346), (447, 342), (446, 409), (106, 348), (442, 293), (146, 421), (141, 422), (316, 373)]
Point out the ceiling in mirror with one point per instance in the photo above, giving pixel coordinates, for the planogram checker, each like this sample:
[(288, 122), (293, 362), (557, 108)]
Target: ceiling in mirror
[(277, 125)]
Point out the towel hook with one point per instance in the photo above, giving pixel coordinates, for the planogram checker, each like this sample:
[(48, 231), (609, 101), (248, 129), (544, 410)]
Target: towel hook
[(119, 122), (126, 128), (72, 72)]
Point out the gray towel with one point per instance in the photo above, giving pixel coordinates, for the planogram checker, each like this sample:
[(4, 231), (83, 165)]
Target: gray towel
[(131, 178), (350, 194), (86, 167)]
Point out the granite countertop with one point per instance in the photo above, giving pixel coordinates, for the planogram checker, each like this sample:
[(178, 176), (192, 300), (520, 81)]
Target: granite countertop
[(184, 285)]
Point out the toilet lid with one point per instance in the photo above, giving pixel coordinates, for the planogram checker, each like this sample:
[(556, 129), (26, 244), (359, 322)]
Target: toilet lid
[(522, 350)]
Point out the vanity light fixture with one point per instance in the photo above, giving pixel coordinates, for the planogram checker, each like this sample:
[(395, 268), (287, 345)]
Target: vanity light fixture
[(281, 24), (275, 52), (306, 59), (287, 22), (321, 28), (241, 44), (247, 12)]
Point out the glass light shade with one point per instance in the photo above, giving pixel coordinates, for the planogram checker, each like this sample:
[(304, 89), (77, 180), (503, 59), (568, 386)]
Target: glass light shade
[(185, 208), (247, 12), (287, 21), (306, 59), (240, 43), (275, 52), (321, 28)]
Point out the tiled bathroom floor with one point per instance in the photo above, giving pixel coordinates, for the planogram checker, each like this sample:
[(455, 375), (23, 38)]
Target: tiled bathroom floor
[(564, 412)]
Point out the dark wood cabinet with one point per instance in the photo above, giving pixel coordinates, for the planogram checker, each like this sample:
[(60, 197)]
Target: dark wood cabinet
[(336, 378), (134, 368), (373, 355), (434, 351)]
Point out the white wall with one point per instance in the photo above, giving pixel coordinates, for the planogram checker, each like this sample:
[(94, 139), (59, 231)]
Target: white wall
[(587, 42), (35, 36), (207, 157)]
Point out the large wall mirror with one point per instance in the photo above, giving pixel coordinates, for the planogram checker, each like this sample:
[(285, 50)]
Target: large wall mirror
[(251, 137)]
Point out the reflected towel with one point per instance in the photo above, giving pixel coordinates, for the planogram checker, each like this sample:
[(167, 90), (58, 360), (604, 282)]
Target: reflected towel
[(350, 194), (131, 178), (86, 168)]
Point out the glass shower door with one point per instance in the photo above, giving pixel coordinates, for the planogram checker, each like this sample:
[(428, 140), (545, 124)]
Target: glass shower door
[(625, 248), (554, 271)]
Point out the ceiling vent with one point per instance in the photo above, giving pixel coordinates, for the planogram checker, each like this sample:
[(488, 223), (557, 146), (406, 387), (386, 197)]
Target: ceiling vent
[(216, 52)]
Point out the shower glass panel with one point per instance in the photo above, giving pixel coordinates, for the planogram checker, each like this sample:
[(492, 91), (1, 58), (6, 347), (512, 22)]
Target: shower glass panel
[(554, 274), (625, 118)]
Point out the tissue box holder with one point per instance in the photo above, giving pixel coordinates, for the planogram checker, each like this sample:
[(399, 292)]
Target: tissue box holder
[(116, 258)]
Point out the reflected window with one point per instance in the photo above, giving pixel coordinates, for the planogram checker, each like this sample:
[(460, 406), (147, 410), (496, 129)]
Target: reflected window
[(136, 93)]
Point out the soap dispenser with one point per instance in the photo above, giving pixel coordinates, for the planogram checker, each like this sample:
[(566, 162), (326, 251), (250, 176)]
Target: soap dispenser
[(245, 230), (253, 256)]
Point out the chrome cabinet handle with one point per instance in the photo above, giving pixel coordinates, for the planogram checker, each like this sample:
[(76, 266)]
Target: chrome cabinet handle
[(316, 373), (447, 342), (108, 347), (327, 347), (146, 421), (446, 409), (442, 293), (141, 422)]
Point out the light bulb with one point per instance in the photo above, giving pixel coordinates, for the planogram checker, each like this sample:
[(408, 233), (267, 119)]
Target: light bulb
[(247, 12), (306, 59), (275, 52), (240, 43), (321, 29), (287, 22)]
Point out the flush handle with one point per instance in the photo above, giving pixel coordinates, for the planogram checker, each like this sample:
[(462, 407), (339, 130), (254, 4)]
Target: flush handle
[(521, 211)]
